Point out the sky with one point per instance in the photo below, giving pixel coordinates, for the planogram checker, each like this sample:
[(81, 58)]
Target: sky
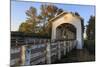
[(18, 9)]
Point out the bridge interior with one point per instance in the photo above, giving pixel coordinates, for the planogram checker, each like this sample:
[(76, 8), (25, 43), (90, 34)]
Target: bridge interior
[(66, 31)]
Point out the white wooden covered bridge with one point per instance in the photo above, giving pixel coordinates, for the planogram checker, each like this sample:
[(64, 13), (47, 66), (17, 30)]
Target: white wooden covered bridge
[(66, 34)]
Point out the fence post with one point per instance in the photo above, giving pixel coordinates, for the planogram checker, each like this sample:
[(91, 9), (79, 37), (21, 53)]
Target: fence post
[(27, 53), (59, 51), (28, 56), (23, 50), (64, 47), (68, 47), (75, 44), (48, 53)]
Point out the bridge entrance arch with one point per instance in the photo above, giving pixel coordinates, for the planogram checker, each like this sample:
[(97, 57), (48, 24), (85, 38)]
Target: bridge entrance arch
[(67, 25)]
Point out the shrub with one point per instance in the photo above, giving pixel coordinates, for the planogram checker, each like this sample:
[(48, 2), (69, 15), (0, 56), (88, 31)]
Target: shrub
[(90, 45)]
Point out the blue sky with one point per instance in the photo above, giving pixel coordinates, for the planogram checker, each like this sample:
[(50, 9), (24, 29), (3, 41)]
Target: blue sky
[(18, 9)]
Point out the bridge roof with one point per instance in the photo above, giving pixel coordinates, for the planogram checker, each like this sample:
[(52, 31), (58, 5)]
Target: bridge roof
[(73, 14), (62, 14)]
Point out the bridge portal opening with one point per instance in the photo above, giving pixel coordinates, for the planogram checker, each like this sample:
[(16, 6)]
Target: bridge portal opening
[(66, 31), (67, 26)]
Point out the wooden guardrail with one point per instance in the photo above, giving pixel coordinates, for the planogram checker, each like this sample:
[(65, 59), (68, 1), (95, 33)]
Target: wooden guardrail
[(39, 51)]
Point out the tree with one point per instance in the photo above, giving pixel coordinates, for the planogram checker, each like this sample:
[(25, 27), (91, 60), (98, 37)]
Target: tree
[(39, 22), (47, 13), (90, 31), (32, 14), (27, 27), (30, 24), (76, 13)]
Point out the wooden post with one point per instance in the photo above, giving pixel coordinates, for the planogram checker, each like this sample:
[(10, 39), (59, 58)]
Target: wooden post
[(27, 53), (28, 56), (64, 47), (48, 53), (59, 51), (71, 45), (23, 49), (68, 46)]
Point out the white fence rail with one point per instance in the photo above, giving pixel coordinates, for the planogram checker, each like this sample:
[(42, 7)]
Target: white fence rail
[(39, 52), (15, 56)]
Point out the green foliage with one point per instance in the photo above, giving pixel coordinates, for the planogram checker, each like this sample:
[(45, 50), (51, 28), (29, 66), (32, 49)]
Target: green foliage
[(76, 13), (90, 45), (30, 24), (39, 23), (90, 31), (32, 14), (27, 27)]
